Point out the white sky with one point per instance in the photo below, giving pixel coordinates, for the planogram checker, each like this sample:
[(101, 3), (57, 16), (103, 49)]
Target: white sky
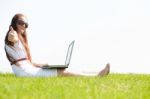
[(114, 31)]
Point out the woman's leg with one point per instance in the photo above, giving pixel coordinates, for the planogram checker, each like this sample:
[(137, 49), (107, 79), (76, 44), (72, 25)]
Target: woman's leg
[(63, 72)]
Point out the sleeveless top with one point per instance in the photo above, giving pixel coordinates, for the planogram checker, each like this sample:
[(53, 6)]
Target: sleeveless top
[(16, 53)]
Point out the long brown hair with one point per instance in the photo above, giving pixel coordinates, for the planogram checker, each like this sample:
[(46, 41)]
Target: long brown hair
[(22, 37)]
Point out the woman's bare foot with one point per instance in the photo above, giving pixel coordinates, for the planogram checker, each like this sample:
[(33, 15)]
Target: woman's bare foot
[(105, 71)]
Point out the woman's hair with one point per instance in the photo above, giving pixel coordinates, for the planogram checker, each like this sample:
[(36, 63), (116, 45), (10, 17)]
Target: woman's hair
[(22, 37)]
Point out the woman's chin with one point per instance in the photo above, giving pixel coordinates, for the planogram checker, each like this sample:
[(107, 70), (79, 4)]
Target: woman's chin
[(21, 31)]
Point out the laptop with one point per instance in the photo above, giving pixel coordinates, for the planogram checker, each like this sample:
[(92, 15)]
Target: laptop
[(67, 61)]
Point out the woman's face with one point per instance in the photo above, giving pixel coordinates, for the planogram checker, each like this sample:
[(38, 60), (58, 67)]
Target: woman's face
[(22, 24)]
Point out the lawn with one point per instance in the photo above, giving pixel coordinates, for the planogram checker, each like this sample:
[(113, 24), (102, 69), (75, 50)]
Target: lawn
[(114, 86)]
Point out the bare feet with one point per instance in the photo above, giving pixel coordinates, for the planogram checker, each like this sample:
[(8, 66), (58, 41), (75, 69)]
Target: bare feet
[(105, 71)]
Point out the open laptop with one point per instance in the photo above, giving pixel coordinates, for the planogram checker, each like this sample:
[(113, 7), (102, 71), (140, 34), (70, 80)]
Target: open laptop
[(67, 61)]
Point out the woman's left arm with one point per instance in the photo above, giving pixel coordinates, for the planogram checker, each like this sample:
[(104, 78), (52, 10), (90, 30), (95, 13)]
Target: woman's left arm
[(38, 65)]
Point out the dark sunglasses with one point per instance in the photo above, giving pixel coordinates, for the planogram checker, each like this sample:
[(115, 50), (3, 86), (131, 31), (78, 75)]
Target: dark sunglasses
[(20, 22)]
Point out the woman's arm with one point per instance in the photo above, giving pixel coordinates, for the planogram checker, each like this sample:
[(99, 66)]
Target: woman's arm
[(38, 65)]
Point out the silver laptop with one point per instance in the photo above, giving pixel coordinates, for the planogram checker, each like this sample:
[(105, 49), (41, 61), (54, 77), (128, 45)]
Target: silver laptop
[(67, 61)]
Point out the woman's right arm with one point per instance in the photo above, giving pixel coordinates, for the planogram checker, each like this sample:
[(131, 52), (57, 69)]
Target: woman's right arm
[(12, 35)]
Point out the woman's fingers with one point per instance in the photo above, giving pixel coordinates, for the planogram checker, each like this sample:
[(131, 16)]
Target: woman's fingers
[(11, 28)]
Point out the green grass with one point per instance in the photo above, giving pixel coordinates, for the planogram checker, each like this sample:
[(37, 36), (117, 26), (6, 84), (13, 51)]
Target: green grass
[(114, 86)]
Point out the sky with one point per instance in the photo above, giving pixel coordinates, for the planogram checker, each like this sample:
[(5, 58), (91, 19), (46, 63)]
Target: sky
[(105, 31)]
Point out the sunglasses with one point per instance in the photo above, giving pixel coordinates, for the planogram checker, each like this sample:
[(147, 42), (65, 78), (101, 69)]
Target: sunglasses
[(20, 22)]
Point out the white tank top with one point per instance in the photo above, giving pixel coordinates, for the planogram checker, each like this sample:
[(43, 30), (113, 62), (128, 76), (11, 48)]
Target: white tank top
[(16, 52)]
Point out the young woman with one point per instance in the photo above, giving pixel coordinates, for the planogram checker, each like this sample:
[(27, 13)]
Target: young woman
[(18, 53)]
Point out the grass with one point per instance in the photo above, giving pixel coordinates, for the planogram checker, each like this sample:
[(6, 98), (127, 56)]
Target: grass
[(114, 86)]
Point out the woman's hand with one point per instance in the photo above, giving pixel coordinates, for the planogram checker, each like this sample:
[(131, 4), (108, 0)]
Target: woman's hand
[(12, 36), (39, 65)]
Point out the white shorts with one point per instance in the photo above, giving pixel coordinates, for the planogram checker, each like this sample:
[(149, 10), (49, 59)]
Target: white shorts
[(27, 69)]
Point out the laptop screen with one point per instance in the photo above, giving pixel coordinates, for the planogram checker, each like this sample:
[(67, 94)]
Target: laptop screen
[(69, 53)]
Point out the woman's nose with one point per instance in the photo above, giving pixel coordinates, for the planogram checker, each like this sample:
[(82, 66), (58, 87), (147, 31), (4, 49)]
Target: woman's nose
[(24, 26)]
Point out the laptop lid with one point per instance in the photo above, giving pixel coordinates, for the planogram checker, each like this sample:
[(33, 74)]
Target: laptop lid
[(69, 53)]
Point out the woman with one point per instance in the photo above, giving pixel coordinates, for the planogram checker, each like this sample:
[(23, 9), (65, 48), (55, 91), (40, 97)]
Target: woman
[(18, 53)]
